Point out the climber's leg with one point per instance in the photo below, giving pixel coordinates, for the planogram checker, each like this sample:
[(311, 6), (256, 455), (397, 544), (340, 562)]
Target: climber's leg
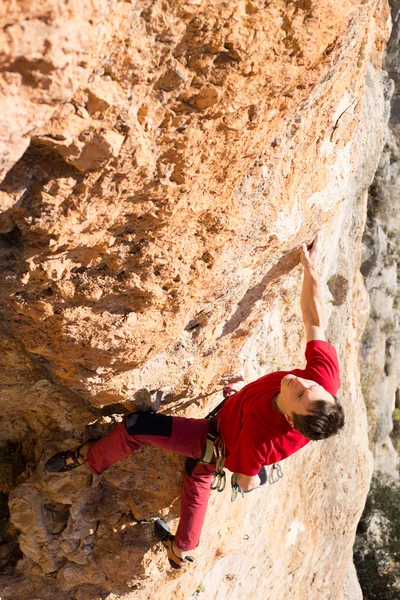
[(194, 501), (177, 434)]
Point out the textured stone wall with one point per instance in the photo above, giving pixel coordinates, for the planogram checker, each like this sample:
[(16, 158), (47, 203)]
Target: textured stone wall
[(381, 259), (378, 540), (165, 161)]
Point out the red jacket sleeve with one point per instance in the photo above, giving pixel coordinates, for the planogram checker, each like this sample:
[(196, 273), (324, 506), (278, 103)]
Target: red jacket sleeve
[(322, 365)]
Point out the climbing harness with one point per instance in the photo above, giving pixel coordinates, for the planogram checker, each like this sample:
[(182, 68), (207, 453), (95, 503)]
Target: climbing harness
[(213, 438), (214, 449)]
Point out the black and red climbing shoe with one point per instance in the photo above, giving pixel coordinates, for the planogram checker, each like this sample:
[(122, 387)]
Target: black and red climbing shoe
[(162, 533), (68, 460), (65, 461)]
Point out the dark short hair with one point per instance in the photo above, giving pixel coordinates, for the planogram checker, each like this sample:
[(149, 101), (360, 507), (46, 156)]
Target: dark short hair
[(325, 419)]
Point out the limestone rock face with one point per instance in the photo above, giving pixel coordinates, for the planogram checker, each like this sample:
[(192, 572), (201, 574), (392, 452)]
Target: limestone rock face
[(179, 155), (378, 536), (46, 52), (381, 259)]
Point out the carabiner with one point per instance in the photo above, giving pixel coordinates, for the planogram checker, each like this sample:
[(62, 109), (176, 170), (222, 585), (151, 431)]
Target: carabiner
[(215, 481), (222, 481), (275, 473)]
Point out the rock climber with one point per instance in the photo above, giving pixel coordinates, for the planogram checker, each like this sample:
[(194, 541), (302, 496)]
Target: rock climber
[(263, 423)]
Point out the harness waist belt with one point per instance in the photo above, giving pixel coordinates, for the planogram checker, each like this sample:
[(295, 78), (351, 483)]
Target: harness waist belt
[(212, 440)]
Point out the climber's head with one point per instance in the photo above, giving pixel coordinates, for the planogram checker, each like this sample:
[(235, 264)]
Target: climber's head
[(309, 408)]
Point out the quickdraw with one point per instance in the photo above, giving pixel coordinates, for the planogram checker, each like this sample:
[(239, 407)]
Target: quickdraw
[(219, 478), (218, 481), (219, 453), (235, 490), (275, 473)]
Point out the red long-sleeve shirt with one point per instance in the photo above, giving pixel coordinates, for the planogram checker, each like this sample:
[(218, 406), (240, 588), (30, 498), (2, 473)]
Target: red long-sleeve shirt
[(254, 433)]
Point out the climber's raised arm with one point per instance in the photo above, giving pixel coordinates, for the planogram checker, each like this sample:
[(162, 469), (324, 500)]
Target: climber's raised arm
[(311, 298)]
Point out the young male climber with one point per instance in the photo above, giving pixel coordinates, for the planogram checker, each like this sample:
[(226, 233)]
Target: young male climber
[(263, 423)]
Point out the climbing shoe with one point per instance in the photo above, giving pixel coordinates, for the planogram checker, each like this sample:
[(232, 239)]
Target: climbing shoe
[(162, 533), (67, 460)]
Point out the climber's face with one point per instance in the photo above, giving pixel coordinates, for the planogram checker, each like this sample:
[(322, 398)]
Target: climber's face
[(297, 395)]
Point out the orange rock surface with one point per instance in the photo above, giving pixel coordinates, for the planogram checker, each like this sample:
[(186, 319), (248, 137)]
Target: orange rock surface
[(163, 161)]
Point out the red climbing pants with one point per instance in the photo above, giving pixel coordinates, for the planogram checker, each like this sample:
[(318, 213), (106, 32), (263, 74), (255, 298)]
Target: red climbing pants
[(187, 437)]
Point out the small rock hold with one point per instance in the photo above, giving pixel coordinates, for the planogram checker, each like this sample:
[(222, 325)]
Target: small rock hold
[(97, 149), (103, 94), (193, 324), (206, 98), (338, 287)]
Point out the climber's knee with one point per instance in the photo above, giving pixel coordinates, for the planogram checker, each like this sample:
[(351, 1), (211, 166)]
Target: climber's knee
[(147, 423)]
